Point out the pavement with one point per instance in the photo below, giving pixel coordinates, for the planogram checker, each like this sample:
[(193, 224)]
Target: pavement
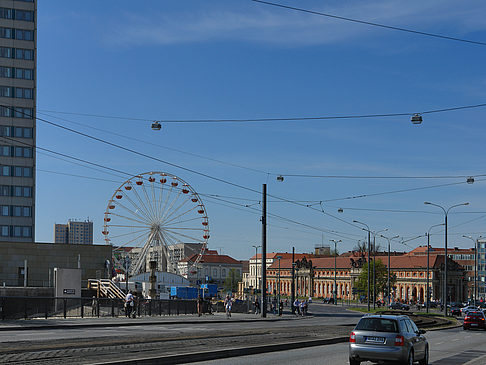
[(215, 342)]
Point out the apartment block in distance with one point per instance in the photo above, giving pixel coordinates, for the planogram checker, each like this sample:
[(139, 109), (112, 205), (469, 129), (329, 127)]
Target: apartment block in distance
[(74, 233), (17, 119)]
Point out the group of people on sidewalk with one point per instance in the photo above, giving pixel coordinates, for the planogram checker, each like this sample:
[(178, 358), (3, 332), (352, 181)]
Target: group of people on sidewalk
[(301, 306)]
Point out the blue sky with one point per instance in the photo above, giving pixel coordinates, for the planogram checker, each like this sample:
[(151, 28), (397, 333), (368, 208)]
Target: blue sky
[(185, 60)]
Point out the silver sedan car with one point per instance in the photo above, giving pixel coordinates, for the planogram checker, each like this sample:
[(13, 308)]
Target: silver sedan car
[(380, 338)]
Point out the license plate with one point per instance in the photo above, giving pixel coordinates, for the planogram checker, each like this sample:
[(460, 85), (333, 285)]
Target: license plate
[(375, 339), (474, 324)]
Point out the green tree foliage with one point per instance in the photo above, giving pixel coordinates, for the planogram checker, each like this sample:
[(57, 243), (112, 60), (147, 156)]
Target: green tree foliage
[(381, 278), (231, 281)]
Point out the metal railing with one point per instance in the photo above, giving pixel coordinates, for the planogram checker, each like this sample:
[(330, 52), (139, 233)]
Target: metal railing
[(106, 288), (48, 307)]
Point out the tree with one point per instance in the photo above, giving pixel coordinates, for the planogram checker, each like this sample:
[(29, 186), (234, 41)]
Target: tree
[(361, 247), (231, 281), (381, 278)]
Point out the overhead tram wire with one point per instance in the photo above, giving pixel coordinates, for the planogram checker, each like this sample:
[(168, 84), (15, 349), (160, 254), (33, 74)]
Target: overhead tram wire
[(129, 174), (407, 30), (284, 119), (185, 169), (249, 168)]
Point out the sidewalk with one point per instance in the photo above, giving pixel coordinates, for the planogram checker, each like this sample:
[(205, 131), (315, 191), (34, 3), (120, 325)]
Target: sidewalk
[(76, 322)]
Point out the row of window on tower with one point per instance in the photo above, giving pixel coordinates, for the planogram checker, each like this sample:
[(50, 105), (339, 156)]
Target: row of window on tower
[(16, 151), (17, 14), (17, 53), (16, 231), (16, 112), (16, 191), (15, 211), (16, 171), (19, 34), (16, 92), (16, 73)]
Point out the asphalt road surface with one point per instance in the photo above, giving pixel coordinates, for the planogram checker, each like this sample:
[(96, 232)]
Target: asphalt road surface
[(447, 347)]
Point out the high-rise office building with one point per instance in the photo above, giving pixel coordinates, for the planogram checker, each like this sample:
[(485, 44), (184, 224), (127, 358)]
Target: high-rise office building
[(74, 233), (18, 39)]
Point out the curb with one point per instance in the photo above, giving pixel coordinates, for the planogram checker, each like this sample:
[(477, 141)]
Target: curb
[(223, 354), (132, 323)]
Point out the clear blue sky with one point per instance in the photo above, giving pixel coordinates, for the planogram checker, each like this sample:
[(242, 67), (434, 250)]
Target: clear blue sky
[(220, 59)]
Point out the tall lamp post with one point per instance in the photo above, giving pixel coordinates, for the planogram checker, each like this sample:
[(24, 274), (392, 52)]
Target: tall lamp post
[(428, 266), (335, 284), (446, 212), (475, 264), (374, 267), (369, 253), (388, 279), (278, 258), (292, 297)]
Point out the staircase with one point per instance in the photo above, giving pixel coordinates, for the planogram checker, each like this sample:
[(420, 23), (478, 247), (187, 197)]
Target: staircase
[(106, 288)]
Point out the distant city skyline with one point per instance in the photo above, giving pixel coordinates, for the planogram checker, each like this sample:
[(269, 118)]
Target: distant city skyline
[(185, 61)]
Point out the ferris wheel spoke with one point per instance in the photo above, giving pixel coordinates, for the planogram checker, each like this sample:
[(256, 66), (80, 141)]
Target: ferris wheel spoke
[(167, 199), (137, 208), (170, 207), (125, 226), (172, 228), (149, 202), (175, 210), (129, 218), (132, 240), (182, 235), (161, 200), (141, 216), (143, 205), (129, 234), (173, 221)]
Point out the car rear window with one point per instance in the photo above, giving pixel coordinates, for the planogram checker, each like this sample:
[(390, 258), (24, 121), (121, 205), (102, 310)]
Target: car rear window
[(377, 324)]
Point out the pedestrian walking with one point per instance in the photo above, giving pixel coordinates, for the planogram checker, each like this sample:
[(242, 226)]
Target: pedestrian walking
[(280, 308), (129, 304), (94, 307), (227, 306), (297, 306), (302, 308), (257, 306), (199, 305)]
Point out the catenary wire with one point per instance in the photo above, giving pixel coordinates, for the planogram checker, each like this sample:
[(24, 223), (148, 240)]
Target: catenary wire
[(407, 30)]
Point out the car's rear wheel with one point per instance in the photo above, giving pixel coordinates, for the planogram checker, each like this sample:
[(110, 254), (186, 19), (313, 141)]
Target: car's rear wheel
[(354, 361), (425, 360)]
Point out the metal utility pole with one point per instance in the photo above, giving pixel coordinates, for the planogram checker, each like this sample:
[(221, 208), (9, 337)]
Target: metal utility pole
[(292, 296), (446, 212), (264, 251), (335, 283), (369, 255)]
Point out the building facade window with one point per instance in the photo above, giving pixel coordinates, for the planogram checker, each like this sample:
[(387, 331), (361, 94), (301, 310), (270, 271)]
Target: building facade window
[(17, 73), (16, 112), (20, 34), (17, 53), (17, 14), (16, 92)]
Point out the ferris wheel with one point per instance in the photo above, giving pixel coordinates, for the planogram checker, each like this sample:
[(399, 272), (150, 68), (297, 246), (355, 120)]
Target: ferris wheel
[(151, 213)]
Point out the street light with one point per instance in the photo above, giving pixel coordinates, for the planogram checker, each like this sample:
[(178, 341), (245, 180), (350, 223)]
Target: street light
[(369, 239), (475, 263), (374, 267), (446, 212), (278, 258), (388, 279), (428, 265), (335, 285)]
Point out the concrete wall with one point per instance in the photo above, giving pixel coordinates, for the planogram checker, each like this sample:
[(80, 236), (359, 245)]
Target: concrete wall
[(42, 258)]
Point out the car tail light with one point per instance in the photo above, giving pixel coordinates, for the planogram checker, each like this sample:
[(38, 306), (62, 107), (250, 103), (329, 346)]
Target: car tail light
[(399, 340), (352, 337), (466, 318)]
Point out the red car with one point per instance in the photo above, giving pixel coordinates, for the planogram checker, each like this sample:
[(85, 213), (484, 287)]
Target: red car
[(474, 320)]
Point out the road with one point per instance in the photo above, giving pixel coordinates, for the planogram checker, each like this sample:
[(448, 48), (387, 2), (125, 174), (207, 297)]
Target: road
[(447, 347)]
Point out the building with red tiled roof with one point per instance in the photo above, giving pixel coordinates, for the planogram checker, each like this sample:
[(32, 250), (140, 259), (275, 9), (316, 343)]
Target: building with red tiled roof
[(212, 267), (316, 276)]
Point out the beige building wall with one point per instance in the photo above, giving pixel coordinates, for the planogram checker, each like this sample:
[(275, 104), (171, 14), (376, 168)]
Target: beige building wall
[(42, 258)]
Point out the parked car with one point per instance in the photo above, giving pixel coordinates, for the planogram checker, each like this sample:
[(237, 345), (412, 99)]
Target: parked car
[(400, 306), (455, 311), (469, 308), (474, 320), (392, 338)]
